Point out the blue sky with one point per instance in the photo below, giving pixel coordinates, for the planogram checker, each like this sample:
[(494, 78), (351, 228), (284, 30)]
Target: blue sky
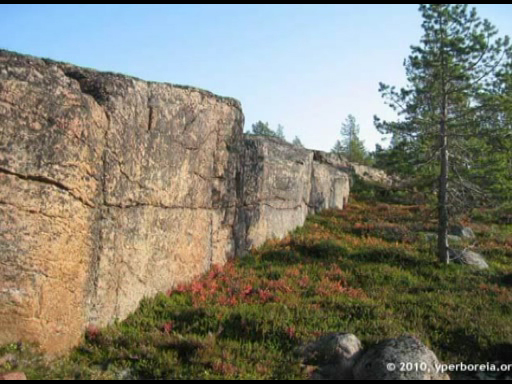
[(305, 67)]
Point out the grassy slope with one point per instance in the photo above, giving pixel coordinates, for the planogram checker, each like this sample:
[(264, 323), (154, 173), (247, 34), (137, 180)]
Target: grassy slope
[(364, 270)]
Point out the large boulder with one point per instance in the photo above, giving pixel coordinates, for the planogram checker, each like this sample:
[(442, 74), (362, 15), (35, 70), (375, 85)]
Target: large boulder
[(388, 361)]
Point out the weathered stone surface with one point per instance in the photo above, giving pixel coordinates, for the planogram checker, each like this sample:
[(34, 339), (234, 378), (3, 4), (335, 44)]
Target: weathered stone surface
[(333, 159), (111, 189), (13, 376), (330, 187), (469, 258), (281, 184), (51, 143), (335, 354), (368, 174), (375, 363), (276, 184), (373, 175)]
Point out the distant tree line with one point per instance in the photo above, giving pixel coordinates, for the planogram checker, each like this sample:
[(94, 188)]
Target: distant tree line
[(263, 129)]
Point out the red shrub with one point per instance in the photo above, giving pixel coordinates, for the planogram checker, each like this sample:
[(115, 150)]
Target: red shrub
[(167, 327)]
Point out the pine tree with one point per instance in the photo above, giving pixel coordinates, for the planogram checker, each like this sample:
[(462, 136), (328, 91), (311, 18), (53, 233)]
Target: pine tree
[(263, 129), (447, 101), (350, 146), (280, 132), (297, 142)]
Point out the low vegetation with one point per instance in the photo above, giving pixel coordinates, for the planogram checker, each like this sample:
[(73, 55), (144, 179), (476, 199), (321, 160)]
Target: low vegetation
[(367, 270)]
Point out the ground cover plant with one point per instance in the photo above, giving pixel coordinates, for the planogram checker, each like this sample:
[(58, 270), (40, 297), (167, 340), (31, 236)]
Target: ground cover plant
[(368, 270)]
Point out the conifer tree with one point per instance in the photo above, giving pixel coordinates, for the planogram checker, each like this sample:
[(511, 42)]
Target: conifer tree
[(350, 146), (448, 102)]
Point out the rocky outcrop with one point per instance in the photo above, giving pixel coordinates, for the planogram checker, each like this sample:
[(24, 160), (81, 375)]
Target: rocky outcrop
[(281, 185), (330, 183), (113, 188), (276, 184), (374, 176)]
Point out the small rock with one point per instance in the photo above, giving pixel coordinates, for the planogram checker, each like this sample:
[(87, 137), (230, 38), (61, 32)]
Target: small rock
[(469, 258), (386, 361), (13, 376), (335, 354)]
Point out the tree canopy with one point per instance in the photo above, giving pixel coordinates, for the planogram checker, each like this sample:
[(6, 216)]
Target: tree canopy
[(261, 128), (350, 146), (453, 109)]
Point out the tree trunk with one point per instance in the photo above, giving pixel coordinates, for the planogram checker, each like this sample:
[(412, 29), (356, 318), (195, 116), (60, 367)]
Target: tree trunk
[(442, 236)]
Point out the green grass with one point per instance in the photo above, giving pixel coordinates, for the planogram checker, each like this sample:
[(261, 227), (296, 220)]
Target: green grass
[(365, 270)]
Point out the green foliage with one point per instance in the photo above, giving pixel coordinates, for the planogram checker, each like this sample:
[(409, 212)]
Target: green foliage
[(297, 142), (263, 129), (365, 270), (448, 109), (456, 76), (398, 159), (350, 146)]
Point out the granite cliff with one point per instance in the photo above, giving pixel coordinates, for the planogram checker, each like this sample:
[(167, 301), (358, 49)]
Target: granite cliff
[(113, 189)]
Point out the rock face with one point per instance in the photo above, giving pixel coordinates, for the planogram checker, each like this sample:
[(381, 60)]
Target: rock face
[(330, 184), (385, 361), (113, 188), (276, 184), (373, 176), (282, 184)]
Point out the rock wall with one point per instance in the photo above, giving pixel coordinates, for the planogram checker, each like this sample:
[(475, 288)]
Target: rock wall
[(282, 184), (276, 182), (113, 188), (330, 183)]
